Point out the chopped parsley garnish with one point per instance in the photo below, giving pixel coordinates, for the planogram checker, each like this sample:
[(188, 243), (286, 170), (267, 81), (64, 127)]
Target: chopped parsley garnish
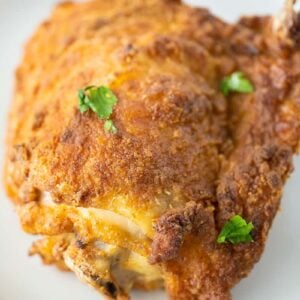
[(235, 231), (101, 101), (236, 82), (110, 127)]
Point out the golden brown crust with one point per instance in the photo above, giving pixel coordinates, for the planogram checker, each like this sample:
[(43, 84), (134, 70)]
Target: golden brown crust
[(184, 155), (169, 97), (173, 226), (51, 250)]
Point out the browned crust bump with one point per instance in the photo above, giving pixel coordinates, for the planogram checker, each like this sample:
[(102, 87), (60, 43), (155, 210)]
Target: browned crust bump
[(172, 227)]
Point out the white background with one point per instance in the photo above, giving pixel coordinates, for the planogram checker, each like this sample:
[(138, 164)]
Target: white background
[(276, 277)]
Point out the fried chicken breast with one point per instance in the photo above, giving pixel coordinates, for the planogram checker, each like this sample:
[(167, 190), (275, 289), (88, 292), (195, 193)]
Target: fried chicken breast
[(143, 208)]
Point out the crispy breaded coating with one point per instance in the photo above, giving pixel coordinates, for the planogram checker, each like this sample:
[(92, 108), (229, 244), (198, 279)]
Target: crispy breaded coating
[(143, 207)]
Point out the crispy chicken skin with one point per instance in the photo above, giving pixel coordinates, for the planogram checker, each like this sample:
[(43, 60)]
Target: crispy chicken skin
[(143, 208)]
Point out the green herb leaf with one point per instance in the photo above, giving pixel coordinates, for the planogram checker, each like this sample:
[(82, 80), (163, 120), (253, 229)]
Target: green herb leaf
[(236, 82), (82, 106), (101, 101), (110, 127), (235, 231)]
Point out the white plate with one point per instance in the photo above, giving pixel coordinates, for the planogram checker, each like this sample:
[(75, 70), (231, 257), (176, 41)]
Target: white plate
[(276, 277)]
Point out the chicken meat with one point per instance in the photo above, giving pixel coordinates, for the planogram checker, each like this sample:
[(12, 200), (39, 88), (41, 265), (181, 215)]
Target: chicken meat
[(142, 208)]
